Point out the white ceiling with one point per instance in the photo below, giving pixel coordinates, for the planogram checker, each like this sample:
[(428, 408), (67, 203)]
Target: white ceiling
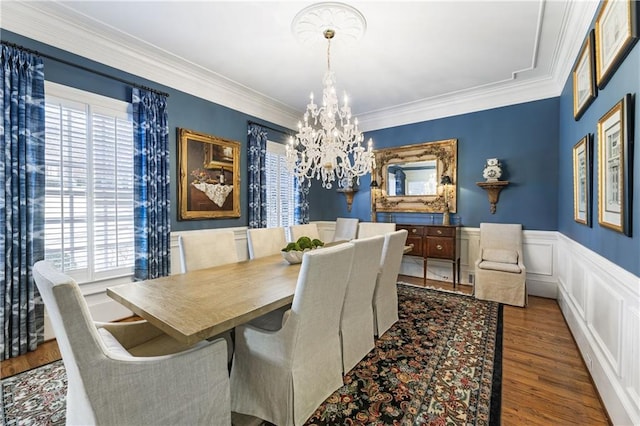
[(417, 60)]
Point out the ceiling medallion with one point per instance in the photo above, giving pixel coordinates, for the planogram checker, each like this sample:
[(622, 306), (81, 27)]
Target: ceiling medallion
[(310, 23)]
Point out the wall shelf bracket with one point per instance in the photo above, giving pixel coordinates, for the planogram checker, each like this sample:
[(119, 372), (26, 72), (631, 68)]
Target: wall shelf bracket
[(348, 194), (493, 191)]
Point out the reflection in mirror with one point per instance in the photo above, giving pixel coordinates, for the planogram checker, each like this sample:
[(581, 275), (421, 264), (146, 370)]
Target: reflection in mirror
[(412, 178)]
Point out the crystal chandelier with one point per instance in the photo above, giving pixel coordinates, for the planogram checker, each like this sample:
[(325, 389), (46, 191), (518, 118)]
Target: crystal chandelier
[(328, 144)]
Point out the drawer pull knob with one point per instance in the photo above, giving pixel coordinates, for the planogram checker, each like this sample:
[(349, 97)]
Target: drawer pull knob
[(439, 247), (439, 231), (414, 230)]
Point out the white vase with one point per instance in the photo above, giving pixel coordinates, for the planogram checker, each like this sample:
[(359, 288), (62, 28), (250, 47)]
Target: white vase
[(492, 170)]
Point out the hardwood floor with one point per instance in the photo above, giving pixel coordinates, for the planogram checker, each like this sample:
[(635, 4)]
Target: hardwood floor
[(544, 379)]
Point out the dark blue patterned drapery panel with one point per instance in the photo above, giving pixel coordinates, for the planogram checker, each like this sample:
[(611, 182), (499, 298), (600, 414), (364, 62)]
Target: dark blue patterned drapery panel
[(301, 213), (21, 199), (257, 143), (152, 192)]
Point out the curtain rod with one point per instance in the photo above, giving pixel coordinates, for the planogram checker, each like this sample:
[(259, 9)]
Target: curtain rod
[(102, 74), (270, 128)]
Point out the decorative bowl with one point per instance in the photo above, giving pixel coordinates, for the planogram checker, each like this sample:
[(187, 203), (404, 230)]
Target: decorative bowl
[(293, 256)]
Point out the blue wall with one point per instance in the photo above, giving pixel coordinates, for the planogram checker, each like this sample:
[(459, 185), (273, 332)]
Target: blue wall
[(618, 248), (185, 111), (524, 137)]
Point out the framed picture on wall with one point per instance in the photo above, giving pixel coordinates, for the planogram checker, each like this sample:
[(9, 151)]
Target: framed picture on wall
[(209, 175), (616, 31), (584, 78), (615, 156), (582, 180)]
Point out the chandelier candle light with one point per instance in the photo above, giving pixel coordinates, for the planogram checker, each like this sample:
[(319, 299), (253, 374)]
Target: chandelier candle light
[(328, 145)]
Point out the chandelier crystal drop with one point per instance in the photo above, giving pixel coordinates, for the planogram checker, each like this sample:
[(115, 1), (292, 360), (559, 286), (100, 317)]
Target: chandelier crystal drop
[(328, 144)]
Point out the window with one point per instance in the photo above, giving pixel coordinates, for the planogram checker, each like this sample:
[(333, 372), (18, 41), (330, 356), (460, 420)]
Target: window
[(281, 191), (89, 231)]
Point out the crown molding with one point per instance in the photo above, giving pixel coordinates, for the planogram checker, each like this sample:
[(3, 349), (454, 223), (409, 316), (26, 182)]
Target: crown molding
[(459, 103), (576, 21), (54, 24)]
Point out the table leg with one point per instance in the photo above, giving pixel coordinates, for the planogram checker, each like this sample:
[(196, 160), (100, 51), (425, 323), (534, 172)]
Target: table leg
[(424, 273), (453, 277)]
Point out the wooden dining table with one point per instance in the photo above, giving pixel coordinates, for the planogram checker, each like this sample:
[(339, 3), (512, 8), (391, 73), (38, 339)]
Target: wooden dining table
[(200, 304)]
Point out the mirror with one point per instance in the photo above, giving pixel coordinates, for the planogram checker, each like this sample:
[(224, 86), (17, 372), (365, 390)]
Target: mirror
[(410, 178)]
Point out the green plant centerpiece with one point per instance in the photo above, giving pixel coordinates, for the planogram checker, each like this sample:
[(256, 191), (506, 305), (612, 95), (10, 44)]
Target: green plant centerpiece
[(293, 252)]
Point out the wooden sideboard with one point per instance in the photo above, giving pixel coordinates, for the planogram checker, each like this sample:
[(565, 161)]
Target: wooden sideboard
[(436, 242)]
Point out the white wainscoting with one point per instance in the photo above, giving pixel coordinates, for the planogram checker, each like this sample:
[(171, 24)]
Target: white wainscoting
[(601, 303)]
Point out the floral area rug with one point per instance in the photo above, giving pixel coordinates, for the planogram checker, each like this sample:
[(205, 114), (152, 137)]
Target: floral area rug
[(440, 364), (35, 397)]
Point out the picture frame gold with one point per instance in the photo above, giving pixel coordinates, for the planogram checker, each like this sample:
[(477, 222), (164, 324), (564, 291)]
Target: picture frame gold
[(209, 176), (584, 77), (616, 31), (582, 180), (443, 153), (615, 160)]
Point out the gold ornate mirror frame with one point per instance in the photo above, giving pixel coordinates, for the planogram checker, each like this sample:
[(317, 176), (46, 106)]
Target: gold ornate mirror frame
[(445, 152)]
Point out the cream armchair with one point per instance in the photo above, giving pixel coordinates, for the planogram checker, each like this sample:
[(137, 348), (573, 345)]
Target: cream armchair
[(283, 372), (500, 271), (265, 241), (206, 249), (385, 296), (346, 229), (131, 373), (305, 230), (357, 322)]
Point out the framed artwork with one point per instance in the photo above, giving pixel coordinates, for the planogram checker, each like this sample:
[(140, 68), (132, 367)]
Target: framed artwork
[(582, 180), (615, 154), (584, 78), (209, 175), (616, 31)]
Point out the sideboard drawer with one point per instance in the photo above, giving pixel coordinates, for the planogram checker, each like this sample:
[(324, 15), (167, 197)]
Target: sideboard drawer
[(412, 230), (416, 241), (443, 248), (441, 231)]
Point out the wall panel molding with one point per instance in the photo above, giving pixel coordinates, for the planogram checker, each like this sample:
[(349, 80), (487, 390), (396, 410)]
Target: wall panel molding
[(601, 303)]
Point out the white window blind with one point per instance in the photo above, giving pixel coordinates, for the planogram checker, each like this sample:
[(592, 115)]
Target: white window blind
[(89, 184), (281, 196)]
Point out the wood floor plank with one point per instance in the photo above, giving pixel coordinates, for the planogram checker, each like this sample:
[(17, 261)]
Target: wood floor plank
[(544, 379)]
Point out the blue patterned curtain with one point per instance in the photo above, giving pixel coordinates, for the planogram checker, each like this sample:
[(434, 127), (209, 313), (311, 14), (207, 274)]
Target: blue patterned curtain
[(21, 199), (257, 143), (301, 213), (151, 167)]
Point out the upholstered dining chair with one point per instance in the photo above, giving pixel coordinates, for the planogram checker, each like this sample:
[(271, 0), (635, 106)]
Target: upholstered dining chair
[(500, 271), (305, 230), (206, 249), (385, 296), (346, 229), (283, 373), (369, 229), (356, 323), (265, 241), (131, 372)]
